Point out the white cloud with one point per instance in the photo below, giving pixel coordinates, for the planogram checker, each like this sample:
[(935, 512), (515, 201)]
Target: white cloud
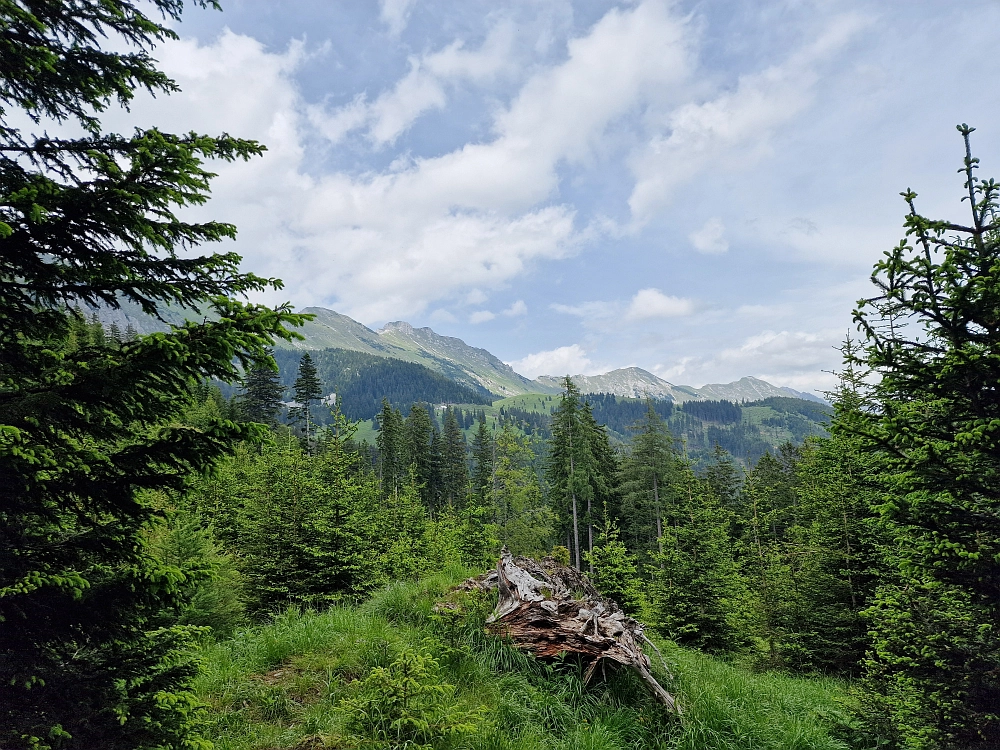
[(442, 316), (770, 350), (565, 360), (395, 14), (376, 246), (796, 359), (476, 297), (516, 310), (481, 316), (422, 89), (390, 242), (711, 238), (596, 310), (733, 129), (387, 244), (652, 303), (672, 372)]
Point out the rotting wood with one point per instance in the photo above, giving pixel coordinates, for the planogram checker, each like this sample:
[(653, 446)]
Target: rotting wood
[(548, 608)]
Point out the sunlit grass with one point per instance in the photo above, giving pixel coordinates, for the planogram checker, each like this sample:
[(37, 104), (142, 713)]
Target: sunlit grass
[(281, 686)]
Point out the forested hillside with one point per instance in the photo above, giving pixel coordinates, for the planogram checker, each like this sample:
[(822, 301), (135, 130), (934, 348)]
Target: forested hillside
[(747, 431), (361, 381), (178, 567)]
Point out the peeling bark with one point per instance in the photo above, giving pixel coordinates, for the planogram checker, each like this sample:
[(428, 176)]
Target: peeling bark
[(548, 609)]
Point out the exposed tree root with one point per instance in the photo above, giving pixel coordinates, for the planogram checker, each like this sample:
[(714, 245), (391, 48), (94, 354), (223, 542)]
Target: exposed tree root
[(548, 609)]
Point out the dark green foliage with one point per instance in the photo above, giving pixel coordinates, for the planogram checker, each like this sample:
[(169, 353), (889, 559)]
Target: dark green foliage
[(362, 380), (216, 601), (297, 533), (529, 422), (931, 336), (454, 462), (724, 412), (605, 476), (812, 410), (307, 390), (837, 547), (790, 419), (421, 454), (619, 414), (742, 440), (697, 596), (261, 399), (646, 482), (85, 427), (484, 462), (311, 530), (615, 570), (723, 478), (513, 496), (391, 445), (572, 471)]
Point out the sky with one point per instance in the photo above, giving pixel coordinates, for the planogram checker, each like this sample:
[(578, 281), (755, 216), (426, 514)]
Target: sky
[(699, 189)]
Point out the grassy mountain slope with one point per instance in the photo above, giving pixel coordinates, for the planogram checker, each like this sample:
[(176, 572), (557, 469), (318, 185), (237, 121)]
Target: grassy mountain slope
[(362, 380), (752, 389), (453, 358), (634, 382), (331, 330), (631, 382), (313, 681), (467, 365)]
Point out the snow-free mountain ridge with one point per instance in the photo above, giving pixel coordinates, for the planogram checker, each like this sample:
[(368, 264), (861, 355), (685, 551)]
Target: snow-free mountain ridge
[(469, 365), (634, 382), (449, 356), (477, 367)]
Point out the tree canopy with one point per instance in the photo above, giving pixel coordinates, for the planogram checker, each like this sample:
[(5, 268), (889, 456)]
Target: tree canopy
[(87, 430)]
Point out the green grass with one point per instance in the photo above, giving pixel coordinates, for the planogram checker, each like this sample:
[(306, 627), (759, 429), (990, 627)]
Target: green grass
[(283, 685)]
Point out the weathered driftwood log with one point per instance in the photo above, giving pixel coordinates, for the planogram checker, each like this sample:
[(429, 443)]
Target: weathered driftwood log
[(548, 608)]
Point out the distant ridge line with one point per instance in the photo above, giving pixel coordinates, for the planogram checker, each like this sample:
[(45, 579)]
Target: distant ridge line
[(472, 366)]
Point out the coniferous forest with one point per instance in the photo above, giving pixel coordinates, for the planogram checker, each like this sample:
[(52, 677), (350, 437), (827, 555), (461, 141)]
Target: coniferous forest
[(184, 568)]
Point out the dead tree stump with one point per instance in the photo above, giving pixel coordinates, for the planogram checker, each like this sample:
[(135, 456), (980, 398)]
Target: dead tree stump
[(547, 608)]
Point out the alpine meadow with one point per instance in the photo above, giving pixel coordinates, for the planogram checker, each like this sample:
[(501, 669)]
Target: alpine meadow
[(231, 522)]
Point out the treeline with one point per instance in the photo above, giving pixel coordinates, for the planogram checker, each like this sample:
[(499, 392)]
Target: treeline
[(362, 380), (723, 412), (791, 565), (135, 510), (702, 425)]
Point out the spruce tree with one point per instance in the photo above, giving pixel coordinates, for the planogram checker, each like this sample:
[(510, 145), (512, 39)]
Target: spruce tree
[(645, 481), (603, 478), (87, 220), (697, 593), (514, 497), (835, 551), (570, 466), (308, 390), (260, 400), (454, 461), (723, 477), (418, 435), (391, 445), (615, 571), (484, 462), (932, 337)]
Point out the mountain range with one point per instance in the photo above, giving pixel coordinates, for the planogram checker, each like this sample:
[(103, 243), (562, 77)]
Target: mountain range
[(477, 368), (472, 366)]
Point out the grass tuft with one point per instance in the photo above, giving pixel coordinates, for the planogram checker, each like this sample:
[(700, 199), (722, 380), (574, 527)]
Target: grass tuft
[(286, 685)]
